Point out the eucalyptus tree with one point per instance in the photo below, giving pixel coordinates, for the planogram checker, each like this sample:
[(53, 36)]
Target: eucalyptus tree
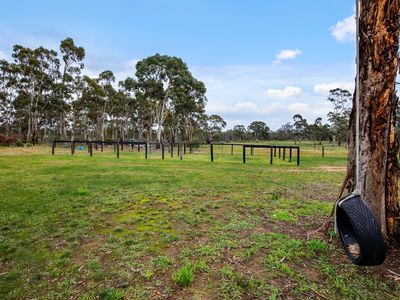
[(259, 130), (300, 127), (72, 57), (38, 72), (164, 82), (379, 65), (211, 127), (123, 112), (8, 94), (239, 132), (339, 116)]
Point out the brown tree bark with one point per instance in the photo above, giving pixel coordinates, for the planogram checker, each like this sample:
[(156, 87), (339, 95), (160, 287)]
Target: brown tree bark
[(379, 45)]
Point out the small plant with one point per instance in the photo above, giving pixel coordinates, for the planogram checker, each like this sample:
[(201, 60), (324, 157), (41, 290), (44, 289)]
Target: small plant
[(184, 276), (111, 294), (316, 245)]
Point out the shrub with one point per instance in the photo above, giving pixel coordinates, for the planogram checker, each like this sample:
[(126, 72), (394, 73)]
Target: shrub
[(184, 276), (7, 140)]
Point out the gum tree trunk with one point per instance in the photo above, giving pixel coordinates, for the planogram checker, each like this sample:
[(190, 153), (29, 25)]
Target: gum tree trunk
[(379, 45)]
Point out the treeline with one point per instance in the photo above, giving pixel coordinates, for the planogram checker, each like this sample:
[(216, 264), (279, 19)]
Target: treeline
[(45, 96), (300, 129)]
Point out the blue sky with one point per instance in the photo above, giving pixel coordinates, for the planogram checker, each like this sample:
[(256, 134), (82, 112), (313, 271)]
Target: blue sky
[(260, 60)]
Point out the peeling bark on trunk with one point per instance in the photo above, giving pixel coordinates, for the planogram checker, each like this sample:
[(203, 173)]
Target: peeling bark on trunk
[(379, 45)]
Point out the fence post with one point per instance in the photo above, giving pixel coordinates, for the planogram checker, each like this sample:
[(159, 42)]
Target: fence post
[(172, 150), (122, 145), (290, 154), (52, 147), (279, 150), (101, 146), (117, 146), (323, 151), (138, 147), (91, 148), (181, 151), (72, 148), (298, 156), (274, 151), (232, 149), (284, 152), (271, 155), (212, 152), (145, 148), (162, 150), (244, 154)]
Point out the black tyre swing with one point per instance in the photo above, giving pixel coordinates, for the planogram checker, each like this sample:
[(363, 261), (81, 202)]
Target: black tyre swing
[(358, 228)]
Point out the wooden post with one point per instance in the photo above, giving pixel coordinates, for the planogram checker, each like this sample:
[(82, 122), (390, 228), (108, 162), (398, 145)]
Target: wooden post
[(91, 148), (290, 154), (117, 146), (323, 151), (96, 146), (172, 150), (298, 156), (284, 152), (244, 154), (274, 151), (101, 146), (232, 149), (181, 151), (212, 152), (162, 151), (270, 155), (52, 147), (145, 148), (279, 150), (138, 147), (72, 148), (122, 145)]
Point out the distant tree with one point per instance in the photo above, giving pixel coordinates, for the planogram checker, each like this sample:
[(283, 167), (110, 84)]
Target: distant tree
[(239, 132), (285, 132), (339, 117), (300, 127), (212, 126), (259, 129)]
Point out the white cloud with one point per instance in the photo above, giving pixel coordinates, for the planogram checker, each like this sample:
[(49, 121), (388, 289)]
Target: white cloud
[(289, 91), (288, 54), (345, 30), (298, 107), (246, 105), (3, 55), (324, 88)]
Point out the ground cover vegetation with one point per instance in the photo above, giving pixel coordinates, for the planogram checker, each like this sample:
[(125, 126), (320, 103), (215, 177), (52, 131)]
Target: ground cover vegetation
[(80, 227)]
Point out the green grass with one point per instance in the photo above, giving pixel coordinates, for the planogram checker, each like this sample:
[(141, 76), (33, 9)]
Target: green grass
[(105, 228)]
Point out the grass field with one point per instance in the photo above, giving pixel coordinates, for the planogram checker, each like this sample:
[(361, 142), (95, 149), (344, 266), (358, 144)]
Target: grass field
[(105, 228)]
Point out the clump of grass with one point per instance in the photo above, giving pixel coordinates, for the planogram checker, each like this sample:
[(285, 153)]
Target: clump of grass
[(185, 275), (316, 246), (111, 294)]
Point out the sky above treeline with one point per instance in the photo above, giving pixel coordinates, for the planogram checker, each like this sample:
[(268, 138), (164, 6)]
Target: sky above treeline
[(260, 60)]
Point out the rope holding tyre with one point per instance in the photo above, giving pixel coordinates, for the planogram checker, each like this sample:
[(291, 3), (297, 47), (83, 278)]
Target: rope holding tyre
[(360, 232)]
